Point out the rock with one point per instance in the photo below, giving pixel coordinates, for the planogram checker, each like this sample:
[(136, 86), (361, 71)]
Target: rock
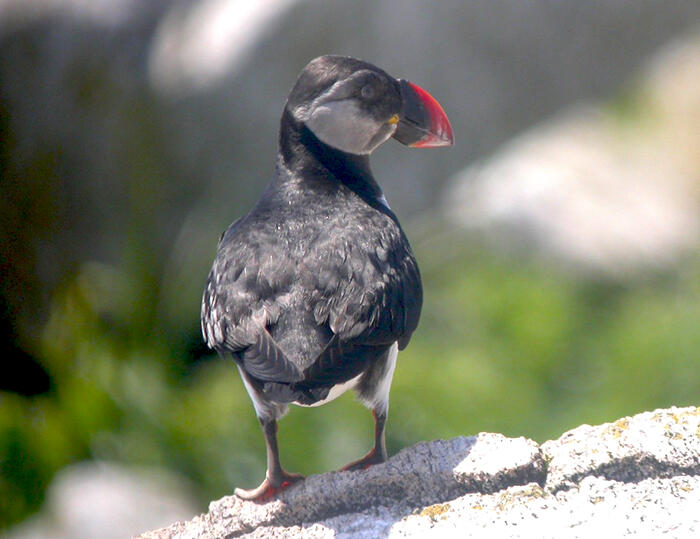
[(640, 474), (107, 500), (610, 188), (651, 445)]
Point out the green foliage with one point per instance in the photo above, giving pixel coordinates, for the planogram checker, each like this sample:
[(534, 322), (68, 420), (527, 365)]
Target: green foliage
[(505, 344)]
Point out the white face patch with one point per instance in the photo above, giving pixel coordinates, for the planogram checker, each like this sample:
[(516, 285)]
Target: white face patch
[(343, 125)]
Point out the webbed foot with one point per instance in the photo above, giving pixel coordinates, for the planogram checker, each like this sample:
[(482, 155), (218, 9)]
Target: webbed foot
[(269, 488)]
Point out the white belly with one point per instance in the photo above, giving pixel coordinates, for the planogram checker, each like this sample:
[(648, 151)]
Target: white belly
[(335, 392)]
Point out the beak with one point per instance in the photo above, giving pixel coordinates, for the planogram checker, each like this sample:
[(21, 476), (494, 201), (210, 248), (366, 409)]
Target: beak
[(422, 122)]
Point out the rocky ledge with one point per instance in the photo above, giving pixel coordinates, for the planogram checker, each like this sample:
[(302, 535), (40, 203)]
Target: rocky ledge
[(638, 475)]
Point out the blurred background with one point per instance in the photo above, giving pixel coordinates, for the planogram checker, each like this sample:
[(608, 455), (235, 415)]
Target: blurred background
[(558, 239)]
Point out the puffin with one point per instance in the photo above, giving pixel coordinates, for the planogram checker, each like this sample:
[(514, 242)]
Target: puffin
[(315, 290)]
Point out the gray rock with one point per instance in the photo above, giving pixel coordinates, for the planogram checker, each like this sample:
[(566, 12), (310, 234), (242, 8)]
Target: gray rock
[(638, 475), (649, 445), (595, 507), (107, 500), (581, 186)]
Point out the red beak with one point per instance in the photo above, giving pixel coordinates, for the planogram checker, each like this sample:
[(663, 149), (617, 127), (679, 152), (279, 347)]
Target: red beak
[(423, 123)]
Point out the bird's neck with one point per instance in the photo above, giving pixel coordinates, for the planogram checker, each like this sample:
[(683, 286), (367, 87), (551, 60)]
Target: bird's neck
[(302, 152)]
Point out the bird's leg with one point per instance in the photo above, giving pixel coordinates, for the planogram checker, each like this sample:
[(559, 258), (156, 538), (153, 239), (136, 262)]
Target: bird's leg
[(276, 478), (378, 452)]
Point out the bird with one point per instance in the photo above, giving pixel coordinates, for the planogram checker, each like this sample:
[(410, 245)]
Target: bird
[(316, 289)]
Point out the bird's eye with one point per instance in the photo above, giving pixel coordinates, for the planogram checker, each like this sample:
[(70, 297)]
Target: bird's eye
[(367, 92)]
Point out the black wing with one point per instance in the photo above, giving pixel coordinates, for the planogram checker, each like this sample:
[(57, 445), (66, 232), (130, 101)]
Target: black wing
[(359, 280), (239, 304), (367, 288)]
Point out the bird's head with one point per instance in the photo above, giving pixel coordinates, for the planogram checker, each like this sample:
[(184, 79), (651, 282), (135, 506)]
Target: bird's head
[(354, 107)]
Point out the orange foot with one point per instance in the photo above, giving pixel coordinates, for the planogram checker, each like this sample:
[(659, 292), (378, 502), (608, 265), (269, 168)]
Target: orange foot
[(370, 459), (267, 489)]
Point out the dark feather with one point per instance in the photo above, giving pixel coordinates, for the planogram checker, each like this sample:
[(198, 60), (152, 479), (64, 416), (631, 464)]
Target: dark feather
[(265, 361)]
